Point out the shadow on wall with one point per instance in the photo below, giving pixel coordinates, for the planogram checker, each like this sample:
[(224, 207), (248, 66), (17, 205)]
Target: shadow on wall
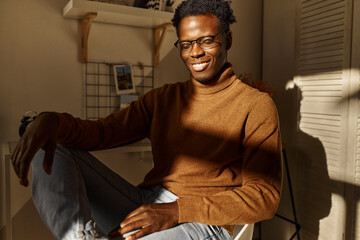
[(308, 173), (314, 187)]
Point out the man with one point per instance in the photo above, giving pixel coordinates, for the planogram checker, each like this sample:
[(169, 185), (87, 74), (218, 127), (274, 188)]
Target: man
[(215, 142)]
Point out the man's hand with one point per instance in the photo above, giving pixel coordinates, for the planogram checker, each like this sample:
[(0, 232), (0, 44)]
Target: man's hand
[(148, 219), (41, 133)]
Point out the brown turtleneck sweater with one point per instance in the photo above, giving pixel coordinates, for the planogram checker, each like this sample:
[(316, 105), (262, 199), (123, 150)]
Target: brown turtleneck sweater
[(216, 146)]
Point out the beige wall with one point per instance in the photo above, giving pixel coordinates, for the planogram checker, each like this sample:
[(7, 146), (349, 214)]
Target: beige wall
[(40, 68), (278, 70), (245, 54)]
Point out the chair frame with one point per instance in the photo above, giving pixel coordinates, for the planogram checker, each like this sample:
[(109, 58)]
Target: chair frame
[(245, 233)]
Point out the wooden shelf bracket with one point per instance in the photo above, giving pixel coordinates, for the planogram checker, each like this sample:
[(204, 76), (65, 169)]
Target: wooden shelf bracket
[(99, 11), (85, 26), (159, 36)]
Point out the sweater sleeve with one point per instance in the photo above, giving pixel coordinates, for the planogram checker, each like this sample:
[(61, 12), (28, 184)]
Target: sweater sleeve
[(258, 196), (120, 128)]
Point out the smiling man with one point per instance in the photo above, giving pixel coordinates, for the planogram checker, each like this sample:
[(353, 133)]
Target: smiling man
[(215, 143), (206, 55)]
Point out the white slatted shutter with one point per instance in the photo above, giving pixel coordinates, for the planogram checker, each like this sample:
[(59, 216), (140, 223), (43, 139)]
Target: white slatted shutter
[(356, 222), (323, 61), (355, 114)]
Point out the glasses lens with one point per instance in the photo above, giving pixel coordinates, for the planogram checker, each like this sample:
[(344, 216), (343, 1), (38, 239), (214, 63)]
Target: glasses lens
[(185, 47), (206, 42)]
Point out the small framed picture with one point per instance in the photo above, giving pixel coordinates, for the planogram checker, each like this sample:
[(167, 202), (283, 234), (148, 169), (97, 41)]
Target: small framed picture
[(124, 79)]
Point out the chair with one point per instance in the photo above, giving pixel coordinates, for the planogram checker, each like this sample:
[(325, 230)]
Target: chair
[(246, 232), (295, 221)]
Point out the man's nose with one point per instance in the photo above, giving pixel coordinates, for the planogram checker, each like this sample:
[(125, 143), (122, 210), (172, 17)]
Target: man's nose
[(196, 51)]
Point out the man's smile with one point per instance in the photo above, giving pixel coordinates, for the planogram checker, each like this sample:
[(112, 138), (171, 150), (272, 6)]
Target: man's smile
[(201, 66)]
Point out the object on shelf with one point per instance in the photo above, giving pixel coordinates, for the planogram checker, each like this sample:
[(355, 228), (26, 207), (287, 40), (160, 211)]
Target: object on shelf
[(162, 5), (169, 6), (116, 14), (141, 3), (154, 4), (120, 2)]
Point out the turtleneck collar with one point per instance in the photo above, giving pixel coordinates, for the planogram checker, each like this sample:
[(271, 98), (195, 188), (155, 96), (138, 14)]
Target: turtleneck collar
[(222, 81)]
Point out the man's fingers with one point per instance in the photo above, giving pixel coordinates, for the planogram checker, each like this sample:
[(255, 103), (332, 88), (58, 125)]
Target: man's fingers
[(138, 233), (19, 163), (126, 226), (50, 149), (24, 168), (130, 234), (14, 159), (131, 215), (20, 155), (150, 218), (137, 224), (41, 133), (133, 225), (25, 161), (135, 215), (115, 233)]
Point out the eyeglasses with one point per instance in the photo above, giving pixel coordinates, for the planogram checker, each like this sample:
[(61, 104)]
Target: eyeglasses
[(205, 43)]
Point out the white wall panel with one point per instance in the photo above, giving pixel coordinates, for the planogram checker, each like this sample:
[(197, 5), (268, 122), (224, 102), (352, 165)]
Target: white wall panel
[(323, 60), (355, 99)]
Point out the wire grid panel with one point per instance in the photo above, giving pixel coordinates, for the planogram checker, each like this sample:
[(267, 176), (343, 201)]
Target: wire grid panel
[(100, 93)]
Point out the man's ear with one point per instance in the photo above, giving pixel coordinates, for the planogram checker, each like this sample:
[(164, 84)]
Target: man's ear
[(228, 39)]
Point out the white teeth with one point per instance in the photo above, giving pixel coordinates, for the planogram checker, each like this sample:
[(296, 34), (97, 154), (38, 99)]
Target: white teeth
[(199, 66)]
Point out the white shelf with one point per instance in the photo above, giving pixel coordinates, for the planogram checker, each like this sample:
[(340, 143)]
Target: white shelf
[(117, 14)]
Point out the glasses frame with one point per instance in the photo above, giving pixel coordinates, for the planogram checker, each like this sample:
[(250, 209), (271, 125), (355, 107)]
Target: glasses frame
[(196, 41)]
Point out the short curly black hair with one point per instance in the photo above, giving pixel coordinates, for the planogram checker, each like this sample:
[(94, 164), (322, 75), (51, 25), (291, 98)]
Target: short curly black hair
[(220, 8)]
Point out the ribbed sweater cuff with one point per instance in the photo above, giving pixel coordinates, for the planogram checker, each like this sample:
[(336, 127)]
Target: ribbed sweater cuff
[(190, 209)]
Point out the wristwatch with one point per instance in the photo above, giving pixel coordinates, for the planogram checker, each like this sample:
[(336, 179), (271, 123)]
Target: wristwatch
[(27, 118)]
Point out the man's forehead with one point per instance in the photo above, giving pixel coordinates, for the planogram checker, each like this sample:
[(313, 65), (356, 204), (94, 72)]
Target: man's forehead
[(199, 24), (200, 18)]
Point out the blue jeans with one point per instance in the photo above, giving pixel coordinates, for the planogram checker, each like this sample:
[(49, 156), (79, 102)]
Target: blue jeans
[(81, 189)]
